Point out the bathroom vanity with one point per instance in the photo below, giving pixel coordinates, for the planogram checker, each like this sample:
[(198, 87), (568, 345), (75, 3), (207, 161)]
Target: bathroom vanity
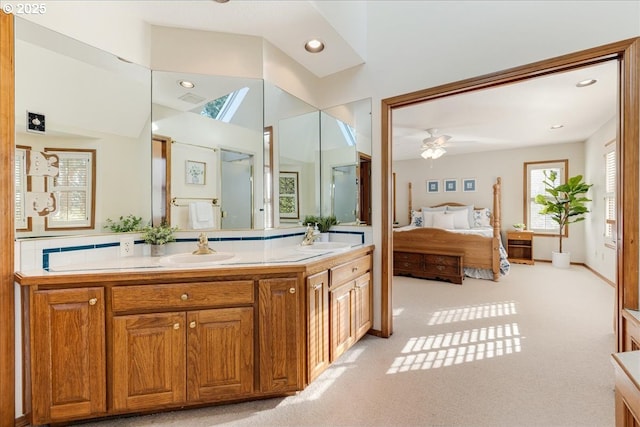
[(110, 342)]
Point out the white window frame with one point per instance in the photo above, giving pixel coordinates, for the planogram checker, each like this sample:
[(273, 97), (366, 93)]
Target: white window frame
[(610, 177), (52, 221), (550, 227)]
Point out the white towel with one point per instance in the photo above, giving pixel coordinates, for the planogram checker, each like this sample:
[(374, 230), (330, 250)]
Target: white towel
[(200, 215)]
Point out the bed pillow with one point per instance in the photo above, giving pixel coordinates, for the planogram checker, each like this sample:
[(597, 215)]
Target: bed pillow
[(467, 208), (427, 218), (443, 220), (416, 218), (436, 209), (481, 218), (460, 219)]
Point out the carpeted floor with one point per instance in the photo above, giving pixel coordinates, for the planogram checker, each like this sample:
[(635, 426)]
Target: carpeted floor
[(531, 350)]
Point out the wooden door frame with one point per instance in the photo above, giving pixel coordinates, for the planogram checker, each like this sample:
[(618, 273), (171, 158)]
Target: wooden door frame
[(628, 130), (7, 232)]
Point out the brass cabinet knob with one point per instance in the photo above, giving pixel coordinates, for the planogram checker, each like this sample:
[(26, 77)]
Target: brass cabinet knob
[(176, 326), (192, 324), (292, 290), (315, 287), (184, 297), (93, 301), (354, 269)]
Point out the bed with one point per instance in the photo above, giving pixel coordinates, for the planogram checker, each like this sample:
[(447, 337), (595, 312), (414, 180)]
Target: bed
[(478, 245)]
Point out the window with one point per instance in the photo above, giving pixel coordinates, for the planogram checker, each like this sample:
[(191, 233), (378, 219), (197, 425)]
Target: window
[(74, 189), (225, 107), (22, 185), (610, 194), (534, 173)]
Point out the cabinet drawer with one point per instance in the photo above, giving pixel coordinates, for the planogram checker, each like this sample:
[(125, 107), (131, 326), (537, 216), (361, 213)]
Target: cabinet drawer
[(401, 257), (437, 259), (517, 235), (350, 270), (181, 296), (442, 269)]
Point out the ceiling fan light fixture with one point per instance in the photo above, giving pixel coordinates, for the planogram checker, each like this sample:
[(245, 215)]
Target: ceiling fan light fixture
[(438, 152)]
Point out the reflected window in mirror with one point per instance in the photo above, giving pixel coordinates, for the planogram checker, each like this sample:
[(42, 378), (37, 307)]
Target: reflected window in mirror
[(22, 186), (73, 188)]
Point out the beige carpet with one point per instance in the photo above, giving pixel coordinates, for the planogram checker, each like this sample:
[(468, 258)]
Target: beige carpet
[(530, 350)]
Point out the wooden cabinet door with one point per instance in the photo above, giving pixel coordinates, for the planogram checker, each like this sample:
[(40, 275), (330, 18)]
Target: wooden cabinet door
[(280, 330), (148, 360), (317, 324), (343, 328), (68, 368), (219, 353), (363, 304)]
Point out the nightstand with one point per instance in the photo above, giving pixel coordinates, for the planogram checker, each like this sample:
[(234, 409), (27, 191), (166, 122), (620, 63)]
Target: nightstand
[(520, 247)]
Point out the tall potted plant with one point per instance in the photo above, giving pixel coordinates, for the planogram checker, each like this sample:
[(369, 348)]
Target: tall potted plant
[(565, 203)]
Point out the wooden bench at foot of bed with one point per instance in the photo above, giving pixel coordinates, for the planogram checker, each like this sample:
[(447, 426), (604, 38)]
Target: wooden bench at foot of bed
[(437, 265)]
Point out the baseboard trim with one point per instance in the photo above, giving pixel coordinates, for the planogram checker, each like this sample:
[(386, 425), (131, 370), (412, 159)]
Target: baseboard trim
[(604, 279)]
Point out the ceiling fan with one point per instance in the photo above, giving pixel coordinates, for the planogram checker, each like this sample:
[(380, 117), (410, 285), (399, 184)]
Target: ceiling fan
[(433, 146)]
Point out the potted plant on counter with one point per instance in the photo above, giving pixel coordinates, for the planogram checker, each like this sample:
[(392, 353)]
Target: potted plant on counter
[(324, 223), (566, 204), (158, 236)]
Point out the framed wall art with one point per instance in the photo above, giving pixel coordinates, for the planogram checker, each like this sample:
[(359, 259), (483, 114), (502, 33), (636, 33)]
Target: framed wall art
[(195, 172), (450, 185), (288, 201), (468, 185), (433, 186)]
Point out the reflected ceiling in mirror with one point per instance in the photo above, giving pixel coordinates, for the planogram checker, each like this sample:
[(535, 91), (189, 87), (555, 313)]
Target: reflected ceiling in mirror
[(209, 116), (91, 100)]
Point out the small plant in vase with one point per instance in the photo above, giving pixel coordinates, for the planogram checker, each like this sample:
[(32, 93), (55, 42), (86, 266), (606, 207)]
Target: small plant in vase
[(158, 236), (519, 226)]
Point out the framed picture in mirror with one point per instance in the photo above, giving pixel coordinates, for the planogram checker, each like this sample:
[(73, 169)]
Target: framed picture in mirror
[(195, 172), (288, 201)]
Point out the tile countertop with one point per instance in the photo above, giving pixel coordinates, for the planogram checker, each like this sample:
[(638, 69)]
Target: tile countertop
[(629, 361), (288, 255)]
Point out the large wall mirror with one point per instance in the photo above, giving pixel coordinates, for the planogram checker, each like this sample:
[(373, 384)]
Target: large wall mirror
[(211, 128), (346, 162), (196, 151), (296, 140), (82, 135)]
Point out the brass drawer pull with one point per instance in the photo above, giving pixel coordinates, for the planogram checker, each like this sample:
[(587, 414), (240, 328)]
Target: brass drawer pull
[(192, 324), (184, 297), (354, 269), (176, 326), (93, 301), (292, 290)]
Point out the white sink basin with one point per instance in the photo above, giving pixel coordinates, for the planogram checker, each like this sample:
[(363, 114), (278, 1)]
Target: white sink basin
[(191, 260), (325, 247)]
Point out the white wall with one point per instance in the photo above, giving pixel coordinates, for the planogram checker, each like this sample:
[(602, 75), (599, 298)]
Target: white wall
[(598, 256), (486, 167)]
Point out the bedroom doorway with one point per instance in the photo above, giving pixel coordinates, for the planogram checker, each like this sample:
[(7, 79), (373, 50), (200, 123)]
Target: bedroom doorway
[(627, 163)]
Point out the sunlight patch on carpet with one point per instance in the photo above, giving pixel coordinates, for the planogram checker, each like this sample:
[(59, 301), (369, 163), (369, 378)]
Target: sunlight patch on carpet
[(454, 348), (473, 312)]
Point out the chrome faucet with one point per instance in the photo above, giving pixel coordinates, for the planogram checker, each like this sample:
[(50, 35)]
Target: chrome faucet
[(203, 246), (310, 236)]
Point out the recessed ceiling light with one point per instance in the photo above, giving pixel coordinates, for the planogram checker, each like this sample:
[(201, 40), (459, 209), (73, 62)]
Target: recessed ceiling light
[(587, 82), (221, 1), (314, 46), (186, 84), (556, 126)]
